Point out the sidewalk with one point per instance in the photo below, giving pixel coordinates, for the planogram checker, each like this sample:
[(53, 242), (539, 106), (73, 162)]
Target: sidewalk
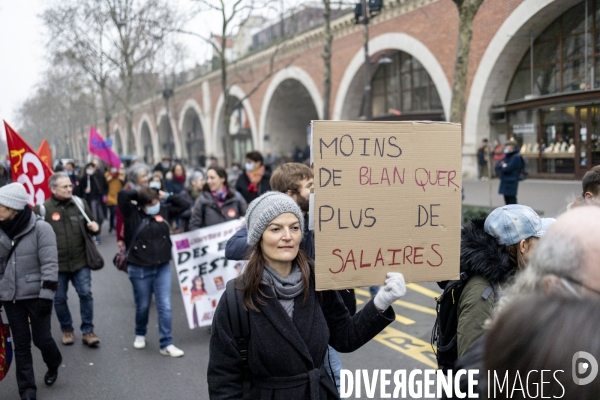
[(548, 196)]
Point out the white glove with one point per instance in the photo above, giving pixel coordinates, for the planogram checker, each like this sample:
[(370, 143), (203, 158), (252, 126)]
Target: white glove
[(394, 289)]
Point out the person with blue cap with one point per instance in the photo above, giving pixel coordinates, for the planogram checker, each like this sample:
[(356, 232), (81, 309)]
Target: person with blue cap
[(290, 324), (491, 252)]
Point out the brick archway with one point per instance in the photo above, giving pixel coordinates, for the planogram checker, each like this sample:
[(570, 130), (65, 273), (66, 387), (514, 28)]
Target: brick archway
[(391, 41)]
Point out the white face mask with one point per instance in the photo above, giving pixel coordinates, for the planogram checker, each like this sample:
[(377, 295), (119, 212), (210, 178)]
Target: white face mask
[(506, 151), (154, 185), (89, 171), (153, 210), (249, 166)]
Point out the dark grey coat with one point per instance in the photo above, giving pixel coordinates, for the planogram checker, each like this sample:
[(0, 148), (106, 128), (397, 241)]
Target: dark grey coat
[(206, 212), (285, 356), (34, 261)]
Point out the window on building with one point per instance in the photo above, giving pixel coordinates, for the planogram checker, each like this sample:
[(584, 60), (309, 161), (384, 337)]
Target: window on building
[(403, 86), (560, 55)]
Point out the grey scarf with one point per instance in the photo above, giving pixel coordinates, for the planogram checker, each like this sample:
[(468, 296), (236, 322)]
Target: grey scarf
[(286, 289)]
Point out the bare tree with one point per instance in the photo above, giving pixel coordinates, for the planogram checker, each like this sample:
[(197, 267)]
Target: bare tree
[(62, 105), (232, 18), (466, 13), (84, 44), (111, 36)]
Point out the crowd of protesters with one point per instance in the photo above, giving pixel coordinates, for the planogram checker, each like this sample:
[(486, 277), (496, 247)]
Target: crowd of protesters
[(523, 272)]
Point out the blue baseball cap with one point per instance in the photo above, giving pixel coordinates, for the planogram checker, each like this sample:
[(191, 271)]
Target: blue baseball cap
[(512, 223), (546, 224)]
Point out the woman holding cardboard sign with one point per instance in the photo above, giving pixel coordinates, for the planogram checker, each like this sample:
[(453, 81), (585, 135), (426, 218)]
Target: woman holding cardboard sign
[(290, 325)]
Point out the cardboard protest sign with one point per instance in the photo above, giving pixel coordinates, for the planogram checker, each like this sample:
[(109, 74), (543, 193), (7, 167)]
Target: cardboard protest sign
[(203, 270), (387, 198)]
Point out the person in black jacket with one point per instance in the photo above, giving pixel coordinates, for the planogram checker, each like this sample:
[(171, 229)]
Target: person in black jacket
[(148, 259), (508, 170), (296, 180), (290, 325), (254, 181), (218, 202), (94, 188)]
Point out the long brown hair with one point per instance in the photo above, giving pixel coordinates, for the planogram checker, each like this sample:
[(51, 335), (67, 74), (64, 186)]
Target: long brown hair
[(516, 258), (251, 278)]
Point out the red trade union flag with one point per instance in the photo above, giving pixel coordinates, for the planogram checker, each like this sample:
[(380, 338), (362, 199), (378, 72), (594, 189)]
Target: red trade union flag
[(45, 153), (27, 168), (101, 148)]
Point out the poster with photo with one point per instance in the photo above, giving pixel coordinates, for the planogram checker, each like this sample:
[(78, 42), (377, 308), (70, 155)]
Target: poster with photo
[(202, 269)]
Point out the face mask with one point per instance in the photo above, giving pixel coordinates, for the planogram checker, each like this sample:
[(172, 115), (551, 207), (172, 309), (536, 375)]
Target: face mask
[(89, 171), (69, 173), (153, 210), (506, 151), (113, 170), (165, 165), (155, 185), (249, 166)]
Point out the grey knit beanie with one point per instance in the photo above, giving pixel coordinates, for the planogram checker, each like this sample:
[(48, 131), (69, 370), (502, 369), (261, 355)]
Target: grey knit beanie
[(13, 196), (265, 209)]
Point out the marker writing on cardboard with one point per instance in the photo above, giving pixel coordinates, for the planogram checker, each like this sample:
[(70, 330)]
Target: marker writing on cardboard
[(413, 255), (344, 146)]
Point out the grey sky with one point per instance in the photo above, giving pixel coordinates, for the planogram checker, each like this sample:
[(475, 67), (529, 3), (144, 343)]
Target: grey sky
[(23, 53)]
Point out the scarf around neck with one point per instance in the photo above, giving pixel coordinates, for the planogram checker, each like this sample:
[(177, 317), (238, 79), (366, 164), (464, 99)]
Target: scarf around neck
[(220, 196), (286, 289), (255, 177), (14, 226)]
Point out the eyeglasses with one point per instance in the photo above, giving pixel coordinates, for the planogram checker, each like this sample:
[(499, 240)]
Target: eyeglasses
[(65, 187), (579, 283)]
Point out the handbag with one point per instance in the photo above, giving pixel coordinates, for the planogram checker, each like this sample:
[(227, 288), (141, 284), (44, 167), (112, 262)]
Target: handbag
[(120, 259), (6, 350), (92, 255)]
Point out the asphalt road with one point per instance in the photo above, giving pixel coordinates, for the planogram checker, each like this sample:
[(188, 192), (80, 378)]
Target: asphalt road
[(116, 370)]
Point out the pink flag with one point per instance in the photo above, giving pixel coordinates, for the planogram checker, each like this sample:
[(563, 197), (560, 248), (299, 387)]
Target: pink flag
[(100, 148)]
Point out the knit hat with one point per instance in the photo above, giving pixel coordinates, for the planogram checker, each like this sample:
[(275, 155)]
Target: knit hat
[(512, 223), (13, 196), (265, 209)]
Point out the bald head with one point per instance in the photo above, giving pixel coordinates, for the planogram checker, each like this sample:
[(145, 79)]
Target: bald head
[(583, 225), (570, 249)]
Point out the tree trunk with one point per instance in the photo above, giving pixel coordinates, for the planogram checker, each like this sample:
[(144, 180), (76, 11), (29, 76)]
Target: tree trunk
[(466, 13), (327, 59)]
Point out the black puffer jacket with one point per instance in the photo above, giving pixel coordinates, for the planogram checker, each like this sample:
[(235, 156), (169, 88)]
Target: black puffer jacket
[(487, 263), (153, 244)]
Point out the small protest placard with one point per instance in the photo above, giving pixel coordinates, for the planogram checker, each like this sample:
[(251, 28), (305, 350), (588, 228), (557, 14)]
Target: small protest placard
[(387, 198), (203, 270)]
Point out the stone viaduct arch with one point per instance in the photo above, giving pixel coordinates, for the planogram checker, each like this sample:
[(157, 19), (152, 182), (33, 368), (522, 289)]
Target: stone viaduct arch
[(291, 101), (349, 95)]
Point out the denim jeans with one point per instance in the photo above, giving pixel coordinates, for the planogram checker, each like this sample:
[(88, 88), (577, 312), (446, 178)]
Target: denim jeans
[(26, 323), (145, 281), (333, 365), (97, 208), (82, 282)]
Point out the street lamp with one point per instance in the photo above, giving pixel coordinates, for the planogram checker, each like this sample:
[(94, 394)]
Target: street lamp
[(361, 10)]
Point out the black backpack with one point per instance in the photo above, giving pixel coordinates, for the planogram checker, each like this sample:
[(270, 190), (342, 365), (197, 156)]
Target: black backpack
[(239, 319), (444, 337), (524, 173), (444, 334)]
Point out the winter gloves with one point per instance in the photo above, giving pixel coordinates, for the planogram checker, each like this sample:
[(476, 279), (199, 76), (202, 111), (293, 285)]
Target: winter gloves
[(394, 289), (44, 307)]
